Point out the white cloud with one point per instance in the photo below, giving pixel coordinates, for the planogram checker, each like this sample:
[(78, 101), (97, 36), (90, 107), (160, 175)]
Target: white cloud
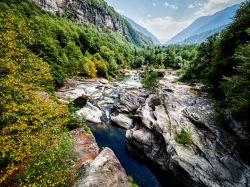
[(173, 6), (195, 4), (164, 27), (191, 6), (149, 15), (212, 6), (154, 4)]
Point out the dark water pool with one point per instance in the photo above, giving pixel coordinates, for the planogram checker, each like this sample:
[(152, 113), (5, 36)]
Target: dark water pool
[(108, 135)]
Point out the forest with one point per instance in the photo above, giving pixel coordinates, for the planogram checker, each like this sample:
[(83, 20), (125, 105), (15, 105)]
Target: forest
[(40, 51)]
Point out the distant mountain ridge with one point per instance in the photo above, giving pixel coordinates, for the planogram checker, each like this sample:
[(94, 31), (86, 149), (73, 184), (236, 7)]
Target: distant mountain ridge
[(142, 30), (202, 36), (205, 26)]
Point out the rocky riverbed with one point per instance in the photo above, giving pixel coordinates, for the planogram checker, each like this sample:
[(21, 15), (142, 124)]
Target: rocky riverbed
[(153, 122)]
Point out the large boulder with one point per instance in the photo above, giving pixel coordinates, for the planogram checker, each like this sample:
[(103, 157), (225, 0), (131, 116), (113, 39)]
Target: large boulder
[(85, 146), (131, 100), (123, 121), (96, 168), (208, 160), (92, 113), (104, 171)]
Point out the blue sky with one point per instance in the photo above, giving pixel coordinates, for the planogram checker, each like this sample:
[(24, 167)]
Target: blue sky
[(165, 18)]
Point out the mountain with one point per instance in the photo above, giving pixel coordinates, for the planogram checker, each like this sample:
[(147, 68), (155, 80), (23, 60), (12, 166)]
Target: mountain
[(202, 36), (96, 12), (142, 30), (205, 26)]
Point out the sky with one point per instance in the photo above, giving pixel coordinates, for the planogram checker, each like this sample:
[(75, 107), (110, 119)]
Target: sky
[(165, 18)]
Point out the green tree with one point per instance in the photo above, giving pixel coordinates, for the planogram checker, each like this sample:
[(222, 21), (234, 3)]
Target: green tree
[(150, 80), (75, 57), (35, 148), (237, 87)]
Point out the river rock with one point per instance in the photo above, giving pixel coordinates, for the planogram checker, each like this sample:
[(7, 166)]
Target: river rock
[(132, 99), (207, 161), (104, 81), (85, 146), (104, 171), (91, 112), (96, 168), (123, 121)]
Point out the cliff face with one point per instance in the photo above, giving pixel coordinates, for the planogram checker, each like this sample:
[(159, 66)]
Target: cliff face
[(83, 11), (96, 12)]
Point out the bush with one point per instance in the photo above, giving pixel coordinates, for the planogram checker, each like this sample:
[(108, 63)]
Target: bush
[(150, 80), (76, 122), (53, 166), (185, 137), (130, 115), (77, 104)]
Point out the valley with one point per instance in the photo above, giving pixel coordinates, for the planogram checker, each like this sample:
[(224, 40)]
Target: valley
[(88, 97)]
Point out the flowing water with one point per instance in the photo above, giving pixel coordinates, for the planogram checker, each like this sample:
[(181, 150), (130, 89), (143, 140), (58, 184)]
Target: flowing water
[(109, 135)]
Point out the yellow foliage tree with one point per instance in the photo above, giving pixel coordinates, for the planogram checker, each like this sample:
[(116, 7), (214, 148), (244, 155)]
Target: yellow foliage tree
[(89, 67), (102, 69), (31, 124)]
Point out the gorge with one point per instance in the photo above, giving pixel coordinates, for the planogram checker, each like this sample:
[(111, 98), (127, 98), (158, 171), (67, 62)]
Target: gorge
[(88, 97), (156, 121)]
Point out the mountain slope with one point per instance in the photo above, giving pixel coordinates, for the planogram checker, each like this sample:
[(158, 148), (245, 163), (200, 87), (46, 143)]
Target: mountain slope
[(143, 30), (206, 23), (96, 12), (202, 36)]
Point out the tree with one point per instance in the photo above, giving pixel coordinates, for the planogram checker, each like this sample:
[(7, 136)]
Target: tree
[(237, 87), (74, 56), (35, 149), (88, 67), (151, 80)]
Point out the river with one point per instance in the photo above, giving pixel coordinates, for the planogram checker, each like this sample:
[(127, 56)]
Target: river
[(110, 135)]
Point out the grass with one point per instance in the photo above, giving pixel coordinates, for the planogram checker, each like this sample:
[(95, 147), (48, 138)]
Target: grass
[(132, 183), (185, 137)]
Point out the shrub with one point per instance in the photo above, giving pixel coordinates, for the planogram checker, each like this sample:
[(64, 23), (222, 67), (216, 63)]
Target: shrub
[(77, 104), (53, 166), (185, 137), (130, 115), (77, 121)]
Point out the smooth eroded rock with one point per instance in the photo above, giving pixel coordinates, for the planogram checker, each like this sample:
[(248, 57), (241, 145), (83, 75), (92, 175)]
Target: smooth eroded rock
[(85, 146), (123, 121), (91, 112), (207, 161), (104, 171)]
